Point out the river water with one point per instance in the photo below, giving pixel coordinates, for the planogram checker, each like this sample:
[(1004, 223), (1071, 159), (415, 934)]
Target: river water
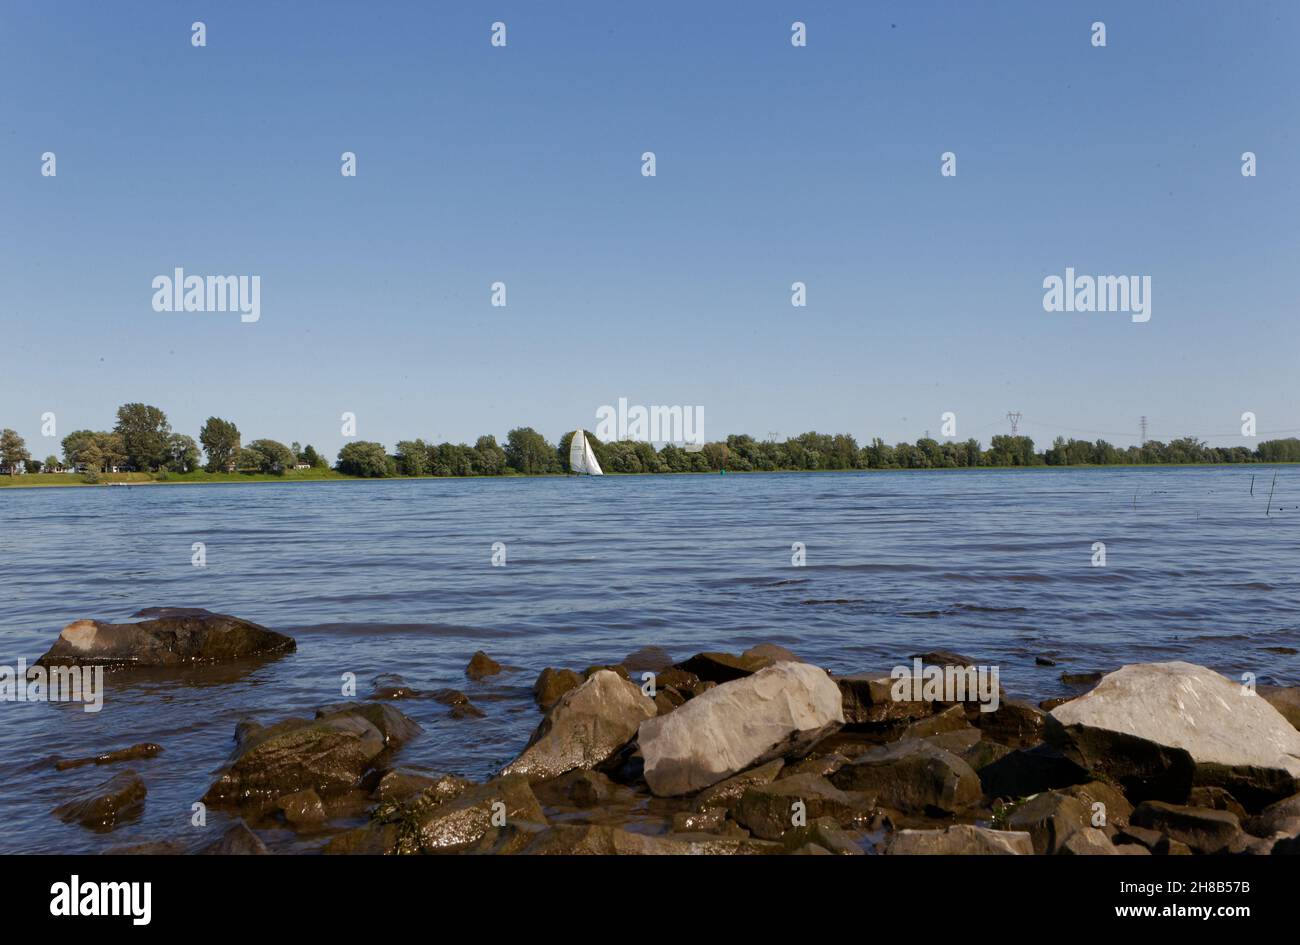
[(397, 577)]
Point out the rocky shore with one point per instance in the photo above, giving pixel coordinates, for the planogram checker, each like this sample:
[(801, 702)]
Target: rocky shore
[(750, 753)]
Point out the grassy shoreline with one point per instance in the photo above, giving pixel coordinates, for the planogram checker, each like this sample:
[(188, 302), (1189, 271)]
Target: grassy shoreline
[(66, 480)]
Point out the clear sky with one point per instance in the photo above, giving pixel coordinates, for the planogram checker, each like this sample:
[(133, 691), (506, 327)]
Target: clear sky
[(774, 164)]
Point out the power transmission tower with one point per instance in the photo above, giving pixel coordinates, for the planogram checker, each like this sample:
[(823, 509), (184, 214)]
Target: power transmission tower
[(1143, 422), (1014, 417)]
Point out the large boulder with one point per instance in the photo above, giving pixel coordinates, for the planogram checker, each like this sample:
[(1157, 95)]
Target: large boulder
[(1202, 829), (1049, 819), (170, 638), (781, 710), (329, 755), (1160, 728), (585, 728), (912, 776)]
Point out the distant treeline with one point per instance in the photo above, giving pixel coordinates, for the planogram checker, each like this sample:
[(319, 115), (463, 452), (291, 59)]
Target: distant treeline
[(142, 440)]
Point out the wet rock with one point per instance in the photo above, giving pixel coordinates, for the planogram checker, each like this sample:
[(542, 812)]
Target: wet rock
[(811, 849), (770, 651), (1088, 841), (1159, 728), (103, 807), (781, 710), (392, 686), (396, 728), (148, 848), (1082, 679), (768, 810), (1285, 699), (142, 750), (724, 667), (960, 839), (951, 719), (1202, 829), (1280, 817), (824, 765), (245, 728), (868, 699), (1044, 661), (1014, 722), (370, 840), (1030, 771), (585, 728), (578, 788), (825, 833), (432, 825), (329, 755), (912, 776), (238, 840), (1049, 819), (604, 840), (552, 684), (653, 659), (1047, 705), (402, 785), (302, 808), (725, 794), (173, 638), (943, 658), (466, 710), (461, 707), (688, 684), (481, 666), (709, 820)]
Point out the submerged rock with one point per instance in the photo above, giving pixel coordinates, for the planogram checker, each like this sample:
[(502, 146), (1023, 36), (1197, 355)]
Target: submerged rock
[(396, 728), (782, 710), (1159, 728), (236, 841), (962, 839), (143, 750), (912, 776), (585, 728), (103, 807), (653, 659), (481, 666), (173, 638)]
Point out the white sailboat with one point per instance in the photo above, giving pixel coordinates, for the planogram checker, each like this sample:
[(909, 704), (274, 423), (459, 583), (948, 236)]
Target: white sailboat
[(582, 459)]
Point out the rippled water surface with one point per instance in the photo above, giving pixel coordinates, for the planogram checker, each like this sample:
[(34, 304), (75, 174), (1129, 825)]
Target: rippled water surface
[(375, 577)]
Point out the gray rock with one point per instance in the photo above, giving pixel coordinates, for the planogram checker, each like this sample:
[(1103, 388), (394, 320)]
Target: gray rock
[(1049, 819), (912, 776), (396, 728), (781, 710), (585, 728), (961, 839), (1088, 841), (173, 638), (1159, 728)]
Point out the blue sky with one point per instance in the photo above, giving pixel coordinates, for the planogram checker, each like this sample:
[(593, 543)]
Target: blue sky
[(775, 164)]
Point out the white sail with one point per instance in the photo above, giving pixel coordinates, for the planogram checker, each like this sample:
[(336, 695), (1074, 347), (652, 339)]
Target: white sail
[(582, 459)]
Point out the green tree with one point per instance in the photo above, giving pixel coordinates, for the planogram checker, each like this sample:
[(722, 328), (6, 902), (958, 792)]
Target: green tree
[(413, 458), (489, 458), (51, 462), (363, 458), (13, 451), (528, 452), (275, 456), (312, 458), (145, 433), (182, 453), (220, 439)]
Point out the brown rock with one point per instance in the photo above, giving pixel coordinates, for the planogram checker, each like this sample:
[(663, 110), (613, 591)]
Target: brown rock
[(119, 799), (552, 684), (481, 666)]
